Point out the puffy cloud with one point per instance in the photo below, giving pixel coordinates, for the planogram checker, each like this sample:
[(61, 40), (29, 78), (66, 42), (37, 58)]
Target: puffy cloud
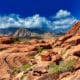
[(64, 23), (36, 21), (28, 22), (62, 13), (61, 20)]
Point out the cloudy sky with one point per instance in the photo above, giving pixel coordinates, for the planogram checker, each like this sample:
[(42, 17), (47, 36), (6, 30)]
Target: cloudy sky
[(50, 14)]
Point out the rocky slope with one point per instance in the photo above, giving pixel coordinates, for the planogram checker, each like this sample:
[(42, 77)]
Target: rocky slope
[(25, 33), (37, 30), (48, 59), (22, 32)]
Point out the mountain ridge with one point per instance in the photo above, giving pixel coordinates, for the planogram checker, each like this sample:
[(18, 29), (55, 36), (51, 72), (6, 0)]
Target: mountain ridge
[(38, 31)]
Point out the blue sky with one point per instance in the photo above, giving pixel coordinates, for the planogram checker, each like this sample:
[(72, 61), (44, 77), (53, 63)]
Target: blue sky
[(42, 7), (50, 14)]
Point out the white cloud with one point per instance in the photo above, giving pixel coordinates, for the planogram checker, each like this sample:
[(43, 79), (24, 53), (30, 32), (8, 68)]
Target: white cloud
[(28, 22), (63, 20), (36, 21), (62, 13)]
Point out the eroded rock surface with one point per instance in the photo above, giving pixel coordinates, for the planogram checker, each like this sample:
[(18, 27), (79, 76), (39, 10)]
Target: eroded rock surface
[(48, 59)]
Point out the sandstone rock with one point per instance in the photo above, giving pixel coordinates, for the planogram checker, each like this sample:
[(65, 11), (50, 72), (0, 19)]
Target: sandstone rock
[(10, 61), (65, 37), (4, 47), (7, 40), (45, 56), (74, 76), (34, 41), (51, 41), (64, 75), (75, 30), (49, 77), (56, 58), (75, 50), (38, 71), (16, 55), (75, 40), (44, 45), (77, 65)]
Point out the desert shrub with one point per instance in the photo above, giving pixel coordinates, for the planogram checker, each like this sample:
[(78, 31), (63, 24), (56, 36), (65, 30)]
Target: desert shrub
[(79, 59), (23, 68), (23, 76), (67, 66), (39, 49), (31, 57), (16, 70), (20, 40), (53, 69), (56, 46), (63, 52), (17, 41), (62, 67)]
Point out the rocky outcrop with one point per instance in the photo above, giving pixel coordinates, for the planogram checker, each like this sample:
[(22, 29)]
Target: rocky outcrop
[(7, 40), (25, 33), (75, 30), (44, 59), (73, 76), (22, 32)]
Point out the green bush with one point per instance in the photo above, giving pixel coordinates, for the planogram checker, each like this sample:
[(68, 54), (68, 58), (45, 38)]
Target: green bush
[(31, 57), (62, 67), (53, 69), (23, 76), (16, 70), (39, 49), (63, 52), (17, 41), (68, 66), (23, 68)]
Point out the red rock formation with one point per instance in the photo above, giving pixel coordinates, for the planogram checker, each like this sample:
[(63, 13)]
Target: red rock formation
[(7, 40), (75, 30), (55, 51)]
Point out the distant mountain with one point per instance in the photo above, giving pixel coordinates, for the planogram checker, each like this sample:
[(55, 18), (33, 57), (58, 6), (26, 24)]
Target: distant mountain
[(28, 32), (13, 29), (8, 30), (21, 32)]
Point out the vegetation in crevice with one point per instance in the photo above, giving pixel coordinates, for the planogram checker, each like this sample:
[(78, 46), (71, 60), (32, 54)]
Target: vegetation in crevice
[(23, 76), (62, 67), (23, 68), (63, 52), (39, 49)]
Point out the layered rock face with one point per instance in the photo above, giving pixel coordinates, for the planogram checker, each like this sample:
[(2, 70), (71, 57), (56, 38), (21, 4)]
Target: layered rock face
[(25, 33), (45, 59), (22, 32)]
